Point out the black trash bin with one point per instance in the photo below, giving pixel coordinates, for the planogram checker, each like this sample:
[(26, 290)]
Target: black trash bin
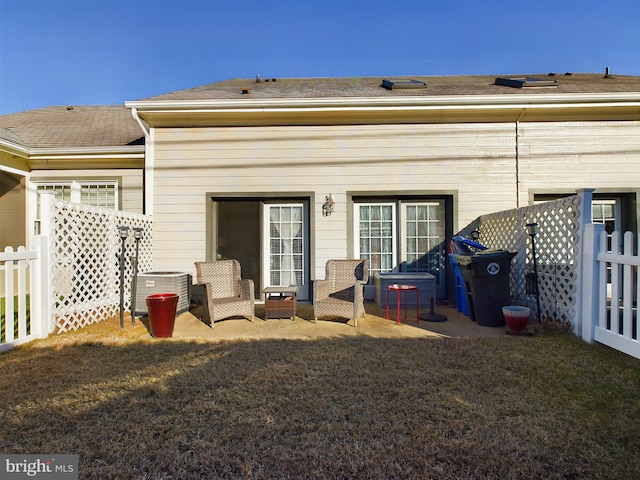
[(486, 276)]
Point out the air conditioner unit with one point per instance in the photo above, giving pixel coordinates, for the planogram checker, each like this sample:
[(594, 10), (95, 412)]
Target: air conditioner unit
[(151, 283)]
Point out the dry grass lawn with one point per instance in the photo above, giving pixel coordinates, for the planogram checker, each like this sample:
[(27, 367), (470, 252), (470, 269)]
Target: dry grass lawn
[(547, 407)]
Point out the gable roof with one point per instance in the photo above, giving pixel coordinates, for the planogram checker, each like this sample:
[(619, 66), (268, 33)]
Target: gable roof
[(71, 127), (307, 88), (364, 100)]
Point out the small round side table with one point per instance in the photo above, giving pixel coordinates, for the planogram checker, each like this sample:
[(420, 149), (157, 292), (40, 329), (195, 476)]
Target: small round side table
[(399, 289)]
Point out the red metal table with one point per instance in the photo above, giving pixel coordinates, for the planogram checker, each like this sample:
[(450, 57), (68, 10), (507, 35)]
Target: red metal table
[(400, 289)]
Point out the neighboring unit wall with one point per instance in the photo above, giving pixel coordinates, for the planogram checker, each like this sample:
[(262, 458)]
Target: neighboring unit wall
[(473, 162), (130, 183), (12, 211), (562, 157)]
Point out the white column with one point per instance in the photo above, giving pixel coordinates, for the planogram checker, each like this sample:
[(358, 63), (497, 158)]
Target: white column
[(588, 295)]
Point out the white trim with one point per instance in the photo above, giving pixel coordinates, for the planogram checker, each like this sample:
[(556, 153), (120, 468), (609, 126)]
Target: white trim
[(134, 112), (515, 101), (16, 171), (394, 232), (149, 166), (13, 148), (304, 289)]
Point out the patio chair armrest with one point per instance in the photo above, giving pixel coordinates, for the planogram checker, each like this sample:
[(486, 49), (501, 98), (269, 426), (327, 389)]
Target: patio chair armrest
[(321, 289), (246, 288), (358, 290)]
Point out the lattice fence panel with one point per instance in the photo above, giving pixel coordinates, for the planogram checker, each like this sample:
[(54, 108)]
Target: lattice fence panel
[(557, 253), (85, 264)]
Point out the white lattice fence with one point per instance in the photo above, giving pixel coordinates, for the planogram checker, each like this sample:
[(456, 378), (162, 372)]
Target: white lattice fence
[(557, 253), (85, 266)]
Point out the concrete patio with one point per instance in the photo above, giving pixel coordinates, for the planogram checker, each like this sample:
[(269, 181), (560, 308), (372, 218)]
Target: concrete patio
[(189, 326)]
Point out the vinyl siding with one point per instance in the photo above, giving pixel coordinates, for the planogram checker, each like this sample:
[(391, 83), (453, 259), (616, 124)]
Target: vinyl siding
[(472, 161), (12, 213), (568, 156), (475, 162)]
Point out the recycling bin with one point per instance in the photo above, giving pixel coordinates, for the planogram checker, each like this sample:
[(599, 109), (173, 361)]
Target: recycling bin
[(461, 295), (486, 278)]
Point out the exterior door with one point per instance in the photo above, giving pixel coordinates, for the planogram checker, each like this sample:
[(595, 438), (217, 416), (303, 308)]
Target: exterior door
[(423, 238), (403, 236), (285, 250)]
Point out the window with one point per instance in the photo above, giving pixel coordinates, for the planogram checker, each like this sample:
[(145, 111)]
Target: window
[(423, 233), (604, 211), (402, 236), (286, 254), (376, 237), (97, 194)]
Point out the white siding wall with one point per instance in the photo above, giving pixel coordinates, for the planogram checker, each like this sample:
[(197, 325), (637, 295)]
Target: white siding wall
[(476, 162), (12, 215), (566, 156)]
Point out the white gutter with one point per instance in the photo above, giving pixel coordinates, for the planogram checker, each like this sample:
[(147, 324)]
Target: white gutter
[(15, 171), (147, 206), (134, 112), (513, 101), (85, 152)]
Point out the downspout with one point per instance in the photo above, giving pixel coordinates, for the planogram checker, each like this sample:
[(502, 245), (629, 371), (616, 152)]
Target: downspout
[(147, 199), (518, 158), (134, 112)]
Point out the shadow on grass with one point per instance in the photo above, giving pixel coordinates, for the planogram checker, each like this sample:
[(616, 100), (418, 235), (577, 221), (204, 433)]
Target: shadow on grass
[(543, 407)]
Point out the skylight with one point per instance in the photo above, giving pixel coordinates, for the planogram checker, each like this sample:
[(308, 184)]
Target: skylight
[(525, 82), (402, 84)]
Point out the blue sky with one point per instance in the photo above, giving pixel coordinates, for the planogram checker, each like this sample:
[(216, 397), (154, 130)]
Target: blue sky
[(89, 52)]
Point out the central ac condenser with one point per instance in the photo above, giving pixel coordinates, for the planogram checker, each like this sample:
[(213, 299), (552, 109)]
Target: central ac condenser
[(151, 283)]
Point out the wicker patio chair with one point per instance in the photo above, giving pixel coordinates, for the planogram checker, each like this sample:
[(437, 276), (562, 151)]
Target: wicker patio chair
[(227, 294), (341, 293)]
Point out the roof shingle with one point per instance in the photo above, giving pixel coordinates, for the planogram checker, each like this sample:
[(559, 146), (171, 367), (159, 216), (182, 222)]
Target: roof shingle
[(279, 88), (71, 127)]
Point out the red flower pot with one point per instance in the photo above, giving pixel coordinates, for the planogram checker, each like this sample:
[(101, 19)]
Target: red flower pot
[(162, 313), (516, 317)]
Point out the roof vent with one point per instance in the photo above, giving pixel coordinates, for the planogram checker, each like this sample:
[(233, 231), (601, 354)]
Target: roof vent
[(607, 73), (257, 78), (402, 84), (525, 82)]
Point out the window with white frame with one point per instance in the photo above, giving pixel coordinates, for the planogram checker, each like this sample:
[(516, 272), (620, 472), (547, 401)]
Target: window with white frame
[(401, 236), (96, 193), (376, 235), (604, 211), (422, 234)]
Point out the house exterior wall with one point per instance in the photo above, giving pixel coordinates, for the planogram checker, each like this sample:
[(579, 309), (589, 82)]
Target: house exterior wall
[(474, 162), (12, 213), (477, 163), (566, 156)]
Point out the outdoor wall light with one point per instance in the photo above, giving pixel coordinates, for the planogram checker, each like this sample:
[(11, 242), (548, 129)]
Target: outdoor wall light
[(327, 206)]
